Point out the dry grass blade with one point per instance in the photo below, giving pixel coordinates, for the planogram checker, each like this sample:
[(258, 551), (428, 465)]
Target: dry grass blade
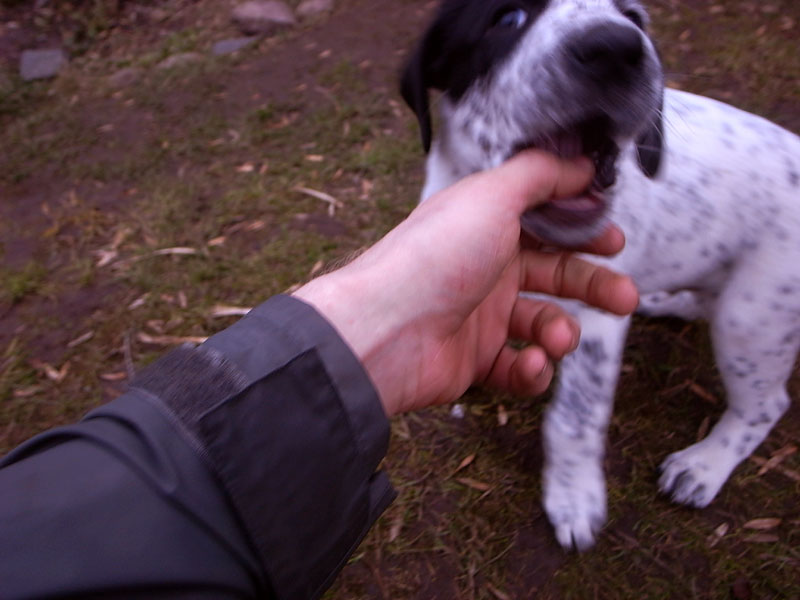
[(81, 339), (333, 203), (790, 473), (497, 593), (777, 458)]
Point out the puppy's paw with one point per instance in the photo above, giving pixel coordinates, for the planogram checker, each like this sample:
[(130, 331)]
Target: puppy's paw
[(575, 503), (693, 476)]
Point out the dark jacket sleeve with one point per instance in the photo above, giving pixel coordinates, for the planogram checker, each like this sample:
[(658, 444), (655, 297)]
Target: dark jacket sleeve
[(244, 467)]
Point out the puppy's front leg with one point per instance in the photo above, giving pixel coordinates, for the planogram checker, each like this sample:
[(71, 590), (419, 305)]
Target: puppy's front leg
[(574, 430)]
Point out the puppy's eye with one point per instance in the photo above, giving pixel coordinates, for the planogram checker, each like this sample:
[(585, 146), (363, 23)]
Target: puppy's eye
[(512, 19)]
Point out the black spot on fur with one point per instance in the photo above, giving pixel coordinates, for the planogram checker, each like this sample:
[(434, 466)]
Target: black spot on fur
[(594, 350)]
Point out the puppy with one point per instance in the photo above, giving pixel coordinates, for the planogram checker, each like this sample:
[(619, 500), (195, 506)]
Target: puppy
[(708, 197)]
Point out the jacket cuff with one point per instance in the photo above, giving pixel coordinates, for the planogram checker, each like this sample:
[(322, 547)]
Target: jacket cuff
[(286, 416)]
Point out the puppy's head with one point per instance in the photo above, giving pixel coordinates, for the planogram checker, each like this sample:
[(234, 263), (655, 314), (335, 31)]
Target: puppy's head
[(573, 77)]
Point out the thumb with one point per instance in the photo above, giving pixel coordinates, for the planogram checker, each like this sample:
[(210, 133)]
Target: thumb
[(533, 177)]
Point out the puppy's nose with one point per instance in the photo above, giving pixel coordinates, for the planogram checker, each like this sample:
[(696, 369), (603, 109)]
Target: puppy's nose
[(606, 52)]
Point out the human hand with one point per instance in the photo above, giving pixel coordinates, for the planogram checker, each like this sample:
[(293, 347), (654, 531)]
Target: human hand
[(430, 308)]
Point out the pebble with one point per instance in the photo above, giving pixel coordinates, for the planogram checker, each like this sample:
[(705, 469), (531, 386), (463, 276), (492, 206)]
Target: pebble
[(41, 64)]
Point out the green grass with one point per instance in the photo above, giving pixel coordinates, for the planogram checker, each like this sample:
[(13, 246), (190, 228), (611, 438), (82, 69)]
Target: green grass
[(209, 156)]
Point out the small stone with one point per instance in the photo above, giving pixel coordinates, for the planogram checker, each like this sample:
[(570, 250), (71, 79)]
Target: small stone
[(313, 8), (232, 45), (125, 77), (180, 60), (41, 64), (262, 17)]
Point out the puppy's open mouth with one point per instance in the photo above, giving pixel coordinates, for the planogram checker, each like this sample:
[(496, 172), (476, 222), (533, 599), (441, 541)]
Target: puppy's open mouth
[(578, 219)]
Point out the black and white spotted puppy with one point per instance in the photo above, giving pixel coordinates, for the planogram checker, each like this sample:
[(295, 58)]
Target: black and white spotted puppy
[(708, 197)]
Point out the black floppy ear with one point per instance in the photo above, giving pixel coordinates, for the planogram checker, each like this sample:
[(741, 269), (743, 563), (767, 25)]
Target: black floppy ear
[(650, 144), (414, 89)]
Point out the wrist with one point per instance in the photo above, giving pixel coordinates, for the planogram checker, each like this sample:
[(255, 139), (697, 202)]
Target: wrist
[(366, 319)]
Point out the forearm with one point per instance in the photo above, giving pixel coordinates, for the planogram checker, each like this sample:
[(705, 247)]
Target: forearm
[(243, 467)]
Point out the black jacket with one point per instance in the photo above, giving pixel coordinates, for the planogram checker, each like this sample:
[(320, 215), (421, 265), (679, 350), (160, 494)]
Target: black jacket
[(245, 467)]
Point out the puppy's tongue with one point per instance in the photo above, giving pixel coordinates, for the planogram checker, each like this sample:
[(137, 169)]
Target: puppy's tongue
[(576, 211), (589, 201)]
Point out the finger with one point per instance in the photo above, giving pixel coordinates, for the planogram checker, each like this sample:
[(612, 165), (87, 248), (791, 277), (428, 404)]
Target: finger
[(565, 275), (608, 243), (533, 177), (527, 371), (544, 324)]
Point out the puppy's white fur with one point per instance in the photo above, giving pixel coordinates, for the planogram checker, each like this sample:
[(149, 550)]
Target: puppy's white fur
[(715, 234)]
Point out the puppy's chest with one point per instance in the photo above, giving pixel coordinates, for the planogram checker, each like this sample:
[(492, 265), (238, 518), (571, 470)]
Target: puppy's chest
[(682, 234)]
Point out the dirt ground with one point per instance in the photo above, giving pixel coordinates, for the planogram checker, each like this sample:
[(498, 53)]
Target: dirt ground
[(129, 214)]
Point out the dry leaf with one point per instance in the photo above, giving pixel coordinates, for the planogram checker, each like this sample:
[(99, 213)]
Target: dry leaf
[(474, 484), (762, 538), (502, 416), (761, 31), (169, 340), (50, 371), (703, 429), (762, 524), (181, 250), (120, 236), (703, 393), (116, 376), (467, 461), (26, 392), (713, 539), (139, 301), (81, 339), (394, 530), (255, 225), (400, 428), (316, 268), (217, 241), (156, 325), (221, 310), (105, 257)]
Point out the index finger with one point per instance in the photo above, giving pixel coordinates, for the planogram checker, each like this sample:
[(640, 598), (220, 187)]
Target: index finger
[(565, 275)]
